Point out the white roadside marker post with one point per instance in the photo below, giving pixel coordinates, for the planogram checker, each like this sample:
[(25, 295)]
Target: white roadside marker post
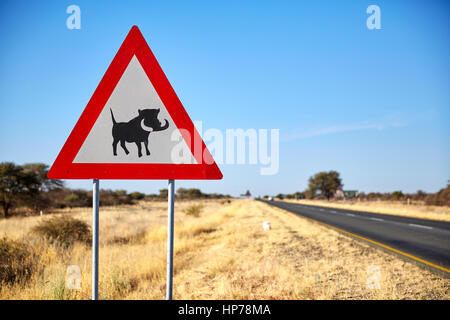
[(170, 222), (95, 219)]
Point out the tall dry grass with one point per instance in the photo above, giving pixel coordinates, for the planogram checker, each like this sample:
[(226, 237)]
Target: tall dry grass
[(223, 254), (132, 251)]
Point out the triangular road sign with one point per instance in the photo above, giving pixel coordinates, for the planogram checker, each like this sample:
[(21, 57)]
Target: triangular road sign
[(134, 126)]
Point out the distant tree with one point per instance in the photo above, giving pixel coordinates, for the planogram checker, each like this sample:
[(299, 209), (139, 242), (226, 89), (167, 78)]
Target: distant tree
[(326, 182), (440, 198), (181, 193), (280, 196), (191, 193), (215, 195), (41, 200), (420, 195), (163, 193), (137, 195), (373, 195), (309, 194), (194, 193), (78, 198), (397, 195), (114, 197), (41, 171), (16, 184), (299, 195)]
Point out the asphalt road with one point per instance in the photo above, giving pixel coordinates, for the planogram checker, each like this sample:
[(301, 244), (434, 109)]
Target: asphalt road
[(427, 240)]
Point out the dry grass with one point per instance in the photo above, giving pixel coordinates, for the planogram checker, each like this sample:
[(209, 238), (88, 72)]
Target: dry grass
[(16, 261), (223, 254), (63, 231), (414, 210), (194, 210)]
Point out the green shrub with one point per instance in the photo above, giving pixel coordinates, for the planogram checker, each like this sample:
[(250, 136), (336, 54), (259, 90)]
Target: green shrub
[(194, 210), (63, 231), (114, 198), (16, 261), (137, 195), (78, 198), (397, 195)]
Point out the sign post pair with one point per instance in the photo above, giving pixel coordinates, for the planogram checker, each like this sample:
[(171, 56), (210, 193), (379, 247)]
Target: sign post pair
[(134, 127)]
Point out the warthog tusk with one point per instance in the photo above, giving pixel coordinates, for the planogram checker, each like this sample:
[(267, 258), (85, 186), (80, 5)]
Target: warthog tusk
[(145, 128)]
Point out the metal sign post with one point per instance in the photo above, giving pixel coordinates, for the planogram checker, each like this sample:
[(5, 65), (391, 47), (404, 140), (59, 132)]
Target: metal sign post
[(170, 222), (95, 218)]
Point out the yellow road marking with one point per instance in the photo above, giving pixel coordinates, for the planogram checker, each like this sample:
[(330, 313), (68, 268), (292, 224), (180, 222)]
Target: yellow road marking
[(377, 243)]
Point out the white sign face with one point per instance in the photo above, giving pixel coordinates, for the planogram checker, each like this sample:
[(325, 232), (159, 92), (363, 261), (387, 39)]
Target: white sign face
[(134, 126)]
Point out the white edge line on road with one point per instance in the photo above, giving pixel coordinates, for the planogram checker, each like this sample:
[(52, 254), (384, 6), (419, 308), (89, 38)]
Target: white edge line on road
[(332, 211), (419, 226), (350, 214), (376, 219)]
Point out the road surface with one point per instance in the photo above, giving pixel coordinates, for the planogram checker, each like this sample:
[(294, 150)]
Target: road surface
[(425, 241)]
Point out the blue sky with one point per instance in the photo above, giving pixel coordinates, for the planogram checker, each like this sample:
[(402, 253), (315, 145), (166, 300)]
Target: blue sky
[(371, 104)]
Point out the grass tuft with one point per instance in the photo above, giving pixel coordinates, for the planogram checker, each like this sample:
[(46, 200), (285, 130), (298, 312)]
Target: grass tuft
[(63, 231), (16, 261), (194, 210)]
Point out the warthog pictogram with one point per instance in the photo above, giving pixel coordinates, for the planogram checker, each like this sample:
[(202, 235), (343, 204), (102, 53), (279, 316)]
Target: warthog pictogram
[(136, 130)]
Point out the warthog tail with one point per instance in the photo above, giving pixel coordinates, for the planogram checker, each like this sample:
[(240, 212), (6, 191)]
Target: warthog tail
[(112, 116)]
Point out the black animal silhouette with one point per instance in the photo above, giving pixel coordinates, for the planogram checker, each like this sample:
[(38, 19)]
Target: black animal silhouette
[(136, 130)]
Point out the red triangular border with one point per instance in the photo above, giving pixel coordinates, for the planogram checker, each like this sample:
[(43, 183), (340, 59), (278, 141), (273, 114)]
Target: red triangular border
[(64, 168)]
